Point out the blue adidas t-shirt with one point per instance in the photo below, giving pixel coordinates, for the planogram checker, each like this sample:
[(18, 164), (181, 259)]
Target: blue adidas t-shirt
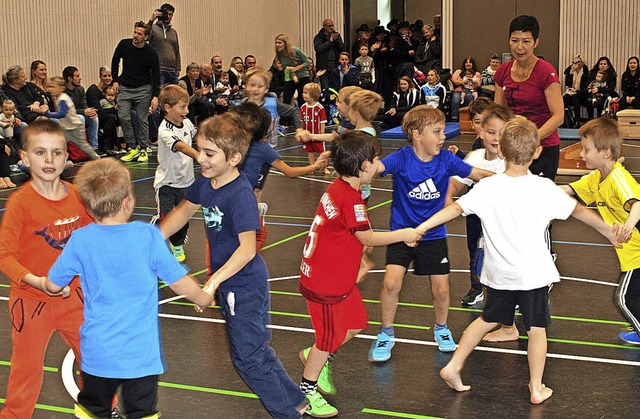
[(259, 154), (228, 211), (420, 188)]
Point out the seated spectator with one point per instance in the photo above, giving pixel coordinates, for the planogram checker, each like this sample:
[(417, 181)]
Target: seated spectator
[(107, 117), (277, 80), (469, 86), (39, 80), (458, 79), (212, 101), (28, 102), (89, 115), (346, 74), (602, 65), (197, 90), (630, 85), (599, 91), (429, 50), (236, 74), (576, 79), (249, 62), (488, 84), (433, 92), (405, 98)]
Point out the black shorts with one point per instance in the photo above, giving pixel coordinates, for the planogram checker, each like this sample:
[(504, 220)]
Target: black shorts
[(262, 178), (500, 307), (428, 257)]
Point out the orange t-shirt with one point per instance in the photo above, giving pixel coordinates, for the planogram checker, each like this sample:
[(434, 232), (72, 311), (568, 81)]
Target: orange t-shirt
[(33, 233)]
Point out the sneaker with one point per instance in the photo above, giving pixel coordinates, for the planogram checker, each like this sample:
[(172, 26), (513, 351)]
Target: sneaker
[(282, 130), (632, 338), (319, 407), (445, 340), (14, 168), (178, 253), (131, 154), (325, 379), (115, 414), (273, 141), (263, 208), (381, 349), (149, 149), (143, 157), (474, 296)]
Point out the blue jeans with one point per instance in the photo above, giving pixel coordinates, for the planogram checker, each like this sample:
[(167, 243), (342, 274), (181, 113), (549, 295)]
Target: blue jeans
[(456, 105), (138, 99), (91, 126)]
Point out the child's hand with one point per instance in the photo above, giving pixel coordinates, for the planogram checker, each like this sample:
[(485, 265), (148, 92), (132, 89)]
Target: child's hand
[(411, 236), (323, 160), (616, 235), (453, 148), (66, 292), (302, 135), (623, 233)]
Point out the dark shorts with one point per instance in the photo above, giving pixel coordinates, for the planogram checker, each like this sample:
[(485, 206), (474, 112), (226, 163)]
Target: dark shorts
[(500, 307), (428, 257)]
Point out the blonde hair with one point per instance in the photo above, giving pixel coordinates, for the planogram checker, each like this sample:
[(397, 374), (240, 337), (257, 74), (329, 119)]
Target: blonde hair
[(313, 89), (259, 72), (227, 132), (171, 94), (366, 103), (345, 93), (103, 186), (605, 134), (8, 103), (56, 80), (38, 127), (418, 118), (288, 48), (519, 140)]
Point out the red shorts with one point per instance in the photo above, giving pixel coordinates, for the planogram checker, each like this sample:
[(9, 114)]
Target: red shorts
[(331, 322), (313, 146)]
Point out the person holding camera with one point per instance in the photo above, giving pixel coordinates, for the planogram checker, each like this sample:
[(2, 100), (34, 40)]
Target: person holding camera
[(164, 39), (328, 45)]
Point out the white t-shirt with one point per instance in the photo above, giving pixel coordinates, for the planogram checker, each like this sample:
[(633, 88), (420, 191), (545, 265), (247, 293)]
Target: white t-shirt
[(174, 168), (515, 212), (476, 158)]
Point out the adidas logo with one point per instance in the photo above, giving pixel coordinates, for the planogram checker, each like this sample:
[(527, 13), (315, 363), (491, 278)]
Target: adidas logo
[(425, 191), (444, 260)]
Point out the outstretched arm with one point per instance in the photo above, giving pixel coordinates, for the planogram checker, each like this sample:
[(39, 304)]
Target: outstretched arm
[(178, 218), (447, 213), (185, 148), (477, 174), (243, 255), (188, 287), (382, 238), (632, 220), (589, 217)]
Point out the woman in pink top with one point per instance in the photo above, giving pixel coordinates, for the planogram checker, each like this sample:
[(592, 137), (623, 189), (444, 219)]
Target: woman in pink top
[(530, 87)]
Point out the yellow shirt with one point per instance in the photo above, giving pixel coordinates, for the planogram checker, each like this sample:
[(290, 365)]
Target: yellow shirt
[(613, 197)]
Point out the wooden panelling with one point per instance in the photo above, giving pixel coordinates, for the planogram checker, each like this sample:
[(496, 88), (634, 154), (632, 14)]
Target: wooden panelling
[(312, 13)]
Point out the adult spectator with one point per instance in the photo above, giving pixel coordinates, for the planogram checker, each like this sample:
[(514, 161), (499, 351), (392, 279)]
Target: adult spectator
[(576, 79), (277, 80), (437, 22), (602, 65), (630, 85), (364, 33), (212, 102), (74, 89), (429, 50), (249, 62), (197, 90), (216, 66), (236, 73), (328, 45), (345, 74), (381, 53), (164, 39), (295, 63), (139, 86), (458, 78), (39, 81), (107, 118), (403, 51), (488, 84), (27, 100)]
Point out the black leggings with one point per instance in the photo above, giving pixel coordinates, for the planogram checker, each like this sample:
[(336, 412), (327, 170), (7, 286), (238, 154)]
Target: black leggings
[(290, 87)]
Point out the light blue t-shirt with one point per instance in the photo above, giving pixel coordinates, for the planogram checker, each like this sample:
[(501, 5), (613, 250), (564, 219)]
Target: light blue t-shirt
[(119, 266), (420, 188)]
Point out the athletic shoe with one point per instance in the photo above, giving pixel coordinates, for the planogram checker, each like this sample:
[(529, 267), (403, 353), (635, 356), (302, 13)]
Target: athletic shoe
[(131, 154), (143, 157), (474, 296), (319, 407), (115, 414), (178, 253), (381, 349), (445, 340), (263, 208), (14, 168), (325, 379), (632, 338), (149, 149), (273, 141), (282, 130)]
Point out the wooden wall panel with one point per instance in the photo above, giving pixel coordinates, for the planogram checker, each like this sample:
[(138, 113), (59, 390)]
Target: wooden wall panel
[(312, 13)]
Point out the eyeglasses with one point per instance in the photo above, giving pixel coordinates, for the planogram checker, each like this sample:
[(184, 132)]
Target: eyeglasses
[(328, 26)]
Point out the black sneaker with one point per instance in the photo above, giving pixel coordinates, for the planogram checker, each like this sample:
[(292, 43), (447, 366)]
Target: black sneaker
[(474, 296), (115, 414)]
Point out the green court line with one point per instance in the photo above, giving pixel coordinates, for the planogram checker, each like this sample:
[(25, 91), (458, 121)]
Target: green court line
[(589, 343), (389, 413), (379, 205), (48, 369), (208, 390), (295, 236), (49, 408)]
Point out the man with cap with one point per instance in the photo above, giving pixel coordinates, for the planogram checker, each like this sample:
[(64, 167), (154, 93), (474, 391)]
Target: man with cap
[(328, 45), (403, 51), (364, 33)]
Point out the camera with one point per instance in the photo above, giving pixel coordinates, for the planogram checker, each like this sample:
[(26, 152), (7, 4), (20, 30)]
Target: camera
[(165, 14)]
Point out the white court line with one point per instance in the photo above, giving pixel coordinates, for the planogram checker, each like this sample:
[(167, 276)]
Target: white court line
[(425, 343)]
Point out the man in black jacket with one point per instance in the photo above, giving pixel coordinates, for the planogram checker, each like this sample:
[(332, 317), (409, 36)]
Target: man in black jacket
[(328, 45)]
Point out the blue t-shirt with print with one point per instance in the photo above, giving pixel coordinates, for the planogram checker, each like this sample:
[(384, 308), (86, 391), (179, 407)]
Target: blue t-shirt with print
[(420, 188), (259, 153), (228, 211)]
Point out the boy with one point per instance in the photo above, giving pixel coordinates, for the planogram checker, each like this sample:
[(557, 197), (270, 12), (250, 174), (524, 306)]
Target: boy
[(175, 160), (421, 176), (314, 119), (329, 283), (36, 225), (120, 333), (476, 114), (515, 208), (237, 270), (366, 68), (617, 195)]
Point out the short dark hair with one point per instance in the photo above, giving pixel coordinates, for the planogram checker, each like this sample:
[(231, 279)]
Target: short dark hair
[(351, 149), (167, 6), (256, 118), (68, 72), (525, 23), (141, 24)]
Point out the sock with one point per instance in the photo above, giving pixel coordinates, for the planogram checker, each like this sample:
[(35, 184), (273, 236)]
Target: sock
[(308, 386), (331, 356), (440, 326), (388, 331)]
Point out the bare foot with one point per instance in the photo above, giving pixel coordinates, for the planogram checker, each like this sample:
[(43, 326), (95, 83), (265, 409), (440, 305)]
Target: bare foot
[(327, 172), (3, 184), (8, 182), (504, 334), (538, 397), (453, 379)]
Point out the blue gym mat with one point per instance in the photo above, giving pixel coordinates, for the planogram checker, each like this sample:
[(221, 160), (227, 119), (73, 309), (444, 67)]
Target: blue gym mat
[(450, 130), (568, 134)]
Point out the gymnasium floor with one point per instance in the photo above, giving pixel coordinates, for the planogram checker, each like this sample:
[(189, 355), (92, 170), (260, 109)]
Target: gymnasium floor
[(592, 373)]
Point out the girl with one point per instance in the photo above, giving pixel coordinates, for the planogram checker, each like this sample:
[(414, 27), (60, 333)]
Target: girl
[(296, 64), (405, 97), (433, 92), (314, 119)]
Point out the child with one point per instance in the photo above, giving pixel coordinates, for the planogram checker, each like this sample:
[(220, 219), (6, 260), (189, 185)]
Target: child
[(329, 284), (258, 81), (598, 92), (494, 117), (69, 120), (109, 101), (344, 124), (468, 86), (366, 68), (314, 120), (7, 120), (37, 223), (476, 112), (175, 160), (222, 86), (120, 333), (515, 209), (421, 176), (238, 271), (433, 91), (405, 98), (617, 195)]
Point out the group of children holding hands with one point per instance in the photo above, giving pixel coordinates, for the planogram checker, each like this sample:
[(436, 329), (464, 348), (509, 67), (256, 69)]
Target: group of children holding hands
[(113, 328)]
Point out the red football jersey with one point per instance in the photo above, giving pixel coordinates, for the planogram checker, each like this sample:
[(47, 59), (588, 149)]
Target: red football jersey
[(312, 117), (332, 252)]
